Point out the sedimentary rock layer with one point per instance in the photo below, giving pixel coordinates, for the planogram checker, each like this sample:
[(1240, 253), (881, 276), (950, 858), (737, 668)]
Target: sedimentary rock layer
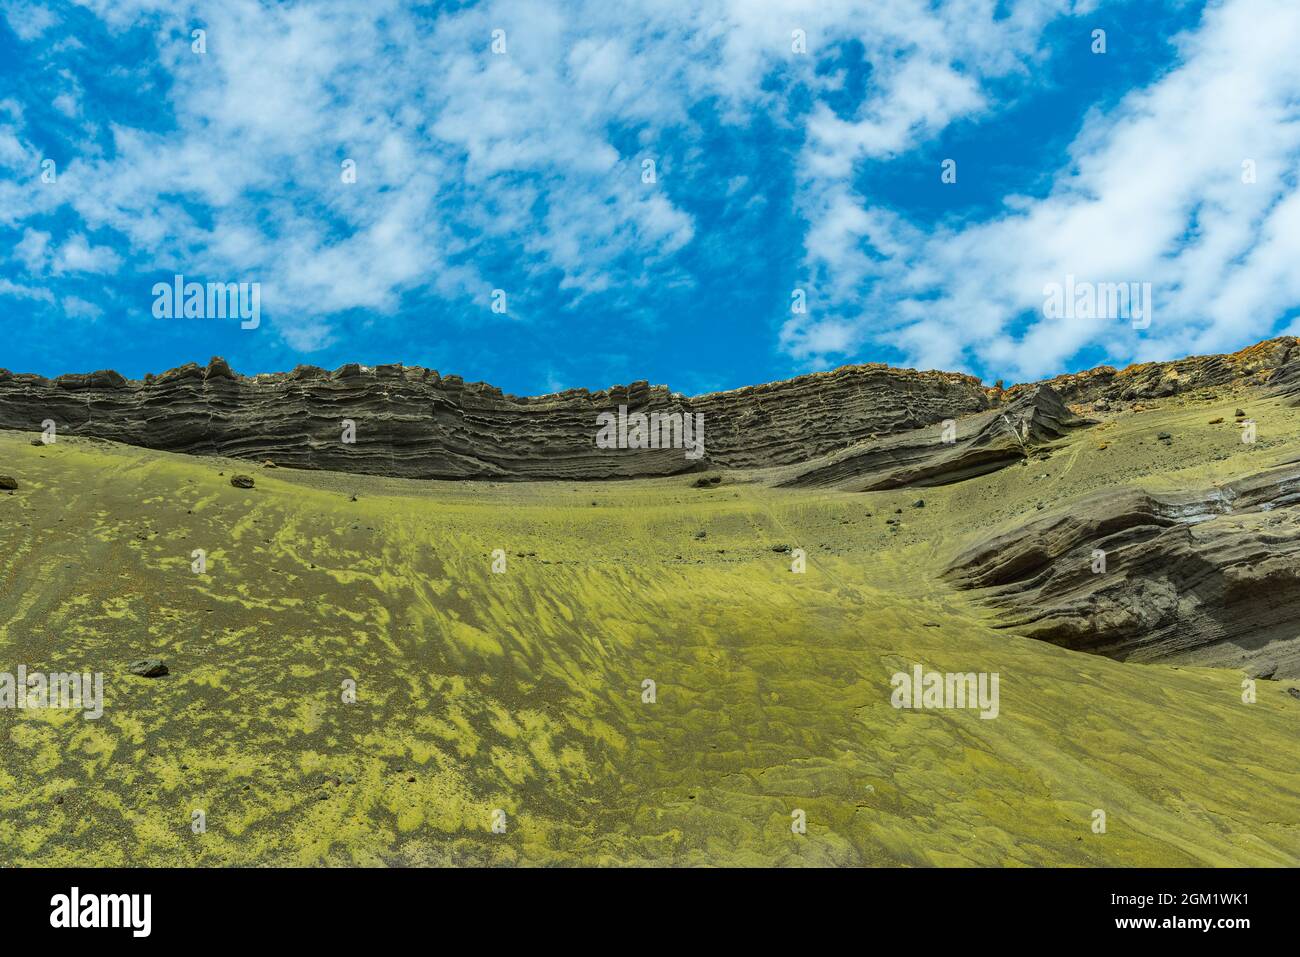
[(946, 452), (415, 423), (1211, 577), (1274, 363)]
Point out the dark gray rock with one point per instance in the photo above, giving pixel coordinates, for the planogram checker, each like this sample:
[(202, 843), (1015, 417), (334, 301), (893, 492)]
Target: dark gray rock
[(415, 423), (975, 445), (148, 668), (1209, 577)]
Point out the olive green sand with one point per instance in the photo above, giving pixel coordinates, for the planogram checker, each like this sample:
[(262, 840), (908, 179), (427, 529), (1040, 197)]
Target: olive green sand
[(522, 691)]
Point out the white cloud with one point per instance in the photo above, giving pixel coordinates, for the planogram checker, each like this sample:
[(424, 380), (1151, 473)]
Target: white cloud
[(1151, 192), (66, 104), (461, 153), (465, 158), (77, 308), (78, 255), (23, 291), (33, 250), (28, 20)]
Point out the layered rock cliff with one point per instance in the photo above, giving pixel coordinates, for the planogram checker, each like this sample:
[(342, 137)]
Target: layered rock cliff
[(947, 452), (415, 423), (1274, 363), (1210, 577)]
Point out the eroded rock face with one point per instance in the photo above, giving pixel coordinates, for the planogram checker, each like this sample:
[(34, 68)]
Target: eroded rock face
[(1274, 363), (848, 425), (415, 423), (942, 454), (1210, 578)]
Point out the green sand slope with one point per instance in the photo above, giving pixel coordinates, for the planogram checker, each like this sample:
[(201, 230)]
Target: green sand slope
[(521, 692)]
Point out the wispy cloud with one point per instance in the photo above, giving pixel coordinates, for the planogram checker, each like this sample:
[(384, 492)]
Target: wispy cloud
[(504, 145), (1189, 184)]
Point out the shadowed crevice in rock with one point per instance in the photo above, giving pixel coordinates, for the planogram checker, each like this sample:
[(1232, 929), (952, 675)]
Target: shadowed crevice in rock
[(1209, 578)]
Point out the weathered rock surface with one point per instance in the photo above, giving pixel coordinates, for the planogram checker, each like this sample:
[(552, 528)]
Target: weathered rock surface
[(1210, 578), (148, 668), (972, 446), (415, 423), (1274, 363)]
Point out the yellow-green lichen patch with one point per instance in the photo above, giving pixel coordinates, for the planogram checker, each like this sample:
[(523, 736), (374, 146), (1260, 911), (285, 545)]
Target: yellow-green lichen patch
[(351, 682)]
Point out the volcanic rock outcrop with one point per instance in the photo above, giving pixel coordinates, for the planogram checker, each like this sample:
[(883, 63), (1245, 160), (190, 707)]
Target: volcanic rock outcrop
[(866, 426), (413, 422), (1274, 363), (1211, 578), (945, 453)]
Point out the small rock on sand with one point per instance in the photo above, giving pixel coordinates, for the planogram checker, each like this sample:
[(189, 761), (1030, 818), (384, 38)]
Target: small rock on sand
[(148, 668), (8, 482), (241, 481)]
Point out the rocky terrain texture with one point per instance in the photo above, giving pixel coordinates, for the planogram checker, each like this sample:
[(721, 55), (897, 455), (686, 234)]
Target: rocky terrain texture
[(521, 689), (1211, 578), (1274, 363), (414, 423), (1201, 576), (976, 445)]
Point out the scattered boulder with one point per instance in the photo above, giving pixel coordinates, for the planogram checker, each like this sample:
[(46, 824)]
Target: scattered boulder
[(38, 442), (701, 534), (241, 481), (8, 482), (780, 548), (708, 481), (919, 503), (148, 668), (1265, 669), (1216, 421)]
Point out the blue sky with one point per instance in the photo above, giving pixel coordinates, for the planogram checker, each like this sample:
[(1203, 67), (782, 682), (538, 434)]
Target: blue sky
[(780, 164)]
